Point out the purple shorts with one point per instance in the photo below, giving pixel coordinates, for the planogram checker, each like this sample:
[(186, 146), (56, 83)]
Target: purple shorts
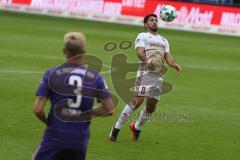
[(50, 149)]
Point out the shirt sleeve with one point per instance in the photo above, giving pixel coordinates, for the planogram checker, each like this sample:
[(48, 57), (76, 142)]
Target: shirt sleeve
[(167, 50), (140, 41), (43, 88), (103, 92)]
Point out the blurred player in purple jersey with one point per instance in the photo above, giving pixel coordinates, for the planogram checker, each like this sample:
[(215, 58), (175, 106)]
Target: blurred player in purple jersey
[(71, 89)]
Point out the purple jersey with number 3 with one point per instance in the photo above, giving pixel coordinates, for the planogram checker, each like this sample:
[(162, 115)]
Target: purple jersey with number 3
[(71, 89)]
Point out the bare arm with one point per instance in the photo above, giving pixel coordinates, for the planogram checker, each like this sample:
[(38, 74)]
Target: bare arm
[(142, 57), (38, 109), (140, 54), (107, 108), (170, 61)]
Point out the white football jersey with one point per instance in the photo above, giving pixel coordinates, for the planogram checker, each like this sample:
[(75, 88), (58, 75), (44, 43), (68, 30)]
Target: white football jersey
[(151, 42), (149, 83)]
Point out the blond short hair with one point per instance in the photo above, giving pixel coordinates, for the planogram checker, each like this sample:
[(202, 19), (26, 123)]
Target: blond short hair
[(74, 43)]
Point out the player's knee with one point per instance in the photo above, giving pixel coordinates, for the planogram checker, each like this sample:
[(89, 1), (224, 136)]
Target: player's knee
[(137, 102), (150, 109), (151, 105)]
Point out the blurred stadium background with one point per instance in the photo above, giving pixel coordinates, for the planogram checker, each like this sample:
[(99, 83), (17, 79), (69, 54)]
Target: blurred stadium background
[(198, 120)]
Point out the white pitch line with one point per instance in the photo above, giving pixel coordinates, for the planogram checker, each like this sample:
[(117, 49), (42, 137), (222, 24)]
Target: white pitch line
[(20, 72), (109, 70), (36, 72), (5, 53), (212, 67)]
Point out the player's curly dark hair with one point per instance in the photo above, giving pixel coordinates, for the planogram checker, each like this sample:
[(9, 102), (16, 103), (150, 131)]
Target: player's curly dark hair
[(148, 16), (145, 19)]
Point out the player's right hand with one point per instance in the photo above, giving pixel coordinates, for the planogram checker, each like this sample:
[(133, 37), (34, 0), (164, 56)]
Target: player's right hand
[(151, 66), (178, 68)]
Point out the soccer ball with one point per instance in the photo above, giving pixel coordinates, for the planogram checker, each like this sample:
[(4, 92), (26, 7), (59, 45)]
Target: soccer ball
[(168, 13)]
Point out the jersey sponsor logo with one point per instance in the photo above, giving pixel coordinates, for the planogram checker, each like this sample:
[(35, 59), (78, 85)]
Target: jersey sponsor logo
[(153, 44)]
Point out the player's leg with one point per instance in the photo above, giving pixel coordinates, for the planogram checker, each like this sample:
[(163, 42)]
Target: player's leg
[(66, 154), (70, 154), (126, 113), (46, 150), (146, 113), (72, 151), (144, 116), (128, 110), (153, 89)]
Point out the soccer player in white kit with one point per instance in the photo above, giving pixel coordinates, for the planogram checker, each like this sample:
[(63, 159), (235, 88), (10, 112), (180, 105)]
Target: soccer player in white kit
[(152, 49)]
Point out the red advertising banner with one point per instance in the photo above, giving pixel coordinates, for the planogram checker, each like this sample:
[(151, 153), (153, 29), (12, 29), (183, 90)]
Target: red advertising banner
[(191, 16), (26, 2), (188, 12)]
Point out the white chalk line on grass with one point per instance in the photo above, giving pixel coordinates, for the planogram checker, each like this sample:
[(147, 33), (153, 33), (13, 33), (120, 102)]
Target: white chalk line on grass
[(109, 70), (36, 72), (212, 67), (20, 72), (5, 53)]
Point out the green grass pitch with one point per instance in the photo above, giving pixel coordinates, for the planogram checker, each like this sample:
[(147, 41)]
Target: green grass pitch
[(207, 91)]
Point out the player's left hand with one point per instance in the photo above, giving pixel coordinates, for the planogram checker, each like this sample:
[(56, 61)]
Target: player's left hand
[(178, 68), (150, 65)]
